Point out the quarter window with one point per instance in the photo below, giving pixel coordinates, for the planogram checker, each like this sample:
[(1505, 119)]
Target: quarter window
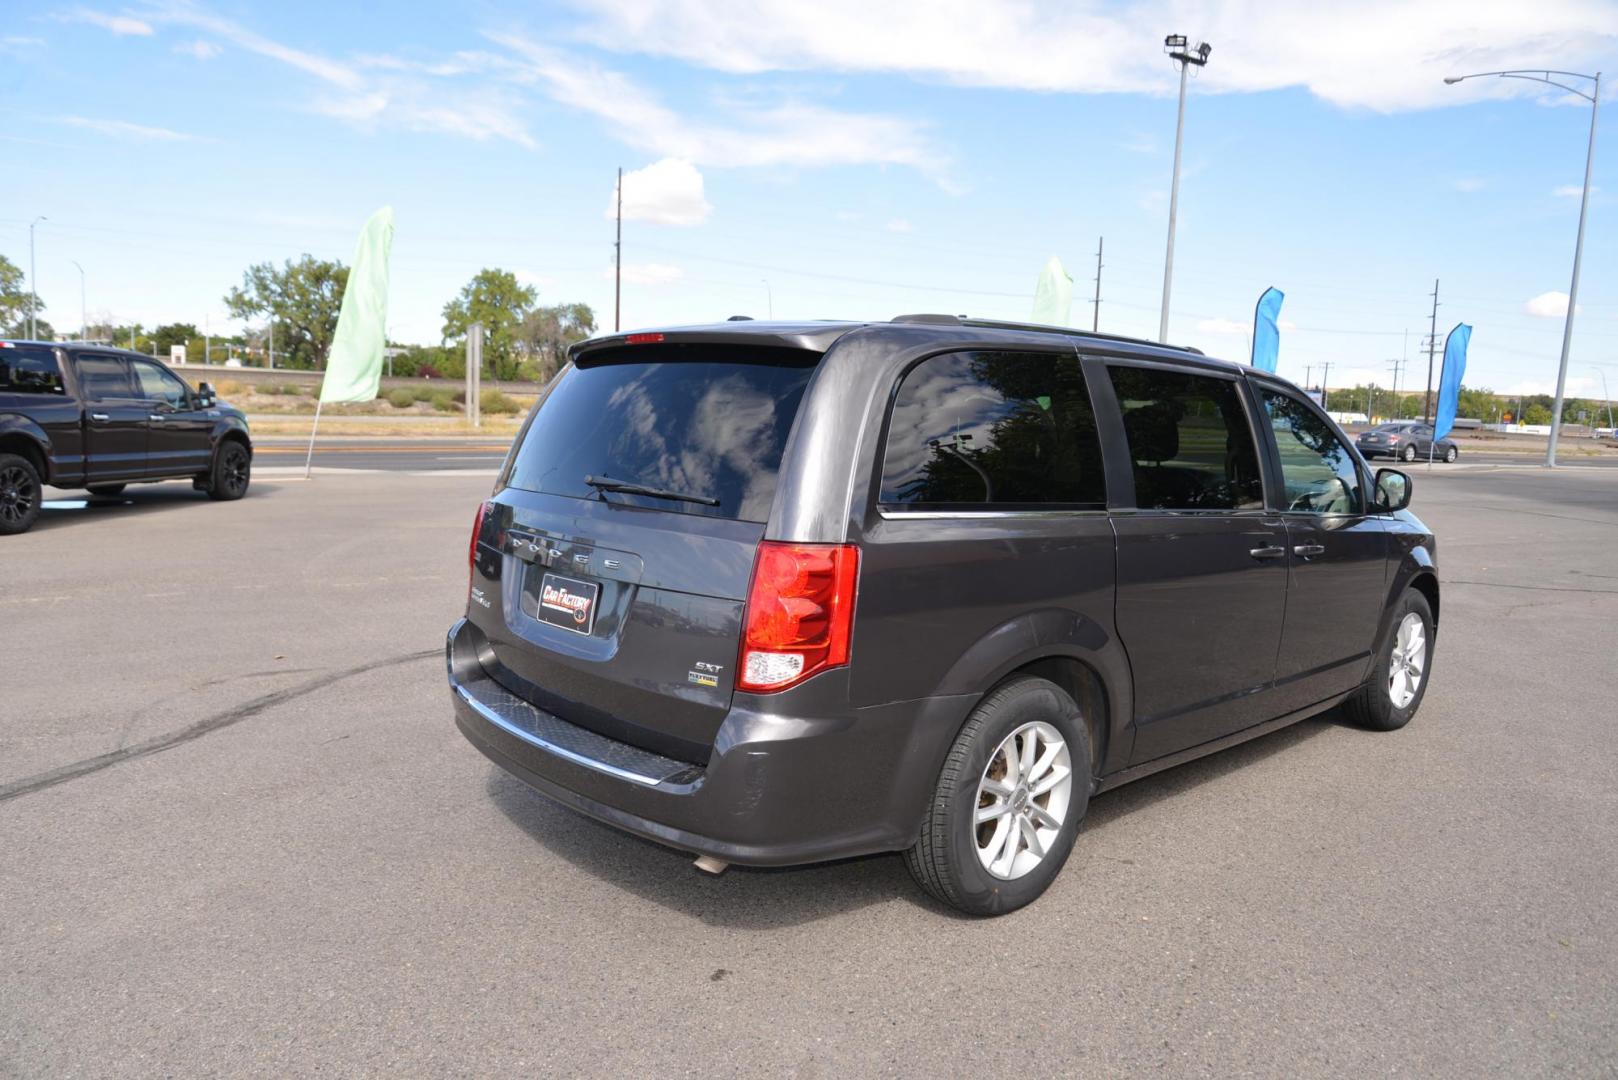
[(25, 370), (1007, 430), (1189, 441), (1316, 466)]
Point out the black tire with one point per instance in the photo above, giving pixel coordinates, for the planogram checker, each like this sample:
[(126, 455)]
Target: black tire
[(1451, 454), (945, 860), (21, 493), (106, 489), (231, 473), (1408, 453), (1372, 705)]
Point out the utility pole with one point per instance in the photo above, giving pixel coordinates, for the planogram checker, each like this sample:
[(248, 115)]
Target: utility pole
[(1308, 372), (1432, 349), (33, 282), (272, 342), (618, 258), (1095, 320), (1325, 385), (1176, 46)]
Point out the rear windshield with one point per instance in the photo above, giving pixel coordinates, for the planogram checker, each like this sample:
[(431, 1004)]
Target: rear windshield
[(29, 369), (701, 420)]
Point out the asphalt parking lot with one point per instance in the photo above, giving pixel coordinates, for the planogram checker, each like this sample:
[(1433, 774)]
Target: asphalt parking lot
[(241, 835)]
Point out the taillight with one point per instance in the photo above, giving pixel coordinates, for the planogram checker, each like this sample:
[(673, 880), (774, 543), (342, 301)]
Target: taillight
[(800, 611), (472, 548)]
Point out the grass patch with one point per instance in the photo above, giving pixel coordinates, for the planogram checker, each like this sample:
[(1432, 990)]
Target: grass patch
[(497, 403)]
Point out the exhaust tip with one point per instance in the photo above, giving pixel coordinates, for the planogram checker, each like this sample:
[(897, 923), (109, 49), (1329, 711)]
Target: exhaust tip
[(710, 865)]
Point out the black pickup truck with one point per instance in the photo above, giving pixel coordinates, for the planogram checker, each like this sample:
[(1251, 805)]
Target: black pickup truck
[(77, 415)]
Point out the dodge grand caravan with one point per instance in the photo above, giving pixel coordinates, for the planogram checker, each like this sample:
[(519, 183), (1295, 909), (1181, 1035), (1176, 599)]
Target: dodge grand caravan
[(778, 593)]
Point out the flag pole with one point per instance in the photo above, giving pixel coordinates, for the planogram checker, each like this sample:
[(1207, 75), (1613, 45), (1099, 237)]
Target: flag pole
[(308, 462)]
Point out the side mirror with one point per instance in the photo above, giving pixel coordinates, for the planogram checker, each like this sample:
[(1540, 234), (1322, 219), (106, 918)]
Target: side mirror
[(1392, 490), (205, 395)]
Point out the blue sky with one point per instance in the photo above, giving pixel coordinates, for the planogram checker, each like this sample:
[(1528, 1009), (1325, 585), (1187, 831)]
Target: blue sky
[(837, 159)]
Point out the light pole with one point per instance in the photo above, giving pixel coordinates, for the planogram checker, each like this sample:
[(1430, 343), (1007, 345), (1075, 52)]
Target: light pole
[(84, 321), (1594, 98), (769, 297), (1605, 396), (33, 284), (1175, 46)]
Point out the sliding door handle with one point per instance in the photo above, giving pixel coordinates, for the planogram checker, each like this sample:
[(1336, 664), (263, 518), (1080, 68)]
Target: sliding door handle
[(1307, 550), (99, 417), (1268, 552)]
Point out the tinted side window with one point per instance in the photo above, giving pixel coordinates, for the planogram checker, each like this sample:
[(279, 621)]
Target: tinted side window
[(1189, 441), (158, 385), (1316, 467), (103, 378), (25, 370), (1001, 429)]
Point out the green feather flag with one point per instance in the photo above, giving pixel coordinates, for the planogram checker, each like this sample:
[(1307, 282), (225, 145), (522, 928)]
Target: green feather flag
[(1053, 295), (354, 369)]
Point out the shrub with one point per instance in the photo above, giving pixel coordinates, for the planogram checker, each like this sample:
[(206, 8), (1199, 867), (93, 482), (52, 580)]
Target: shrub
[(497, 403), (402, 398), (447, 401)]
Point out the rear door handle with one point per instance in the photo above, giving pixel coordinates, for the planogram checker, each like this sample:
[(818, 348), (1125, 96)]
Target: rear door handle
[(1267, 552), (155, 416), (1309, 549), (100, 417)]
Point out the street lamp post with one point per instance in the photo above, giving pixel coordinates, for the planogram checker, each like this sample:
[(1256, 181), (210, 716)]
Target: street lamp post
[(1594, 98), (1606, 397), (33, 283), (84, 320), (769, 297), (1176, 46)]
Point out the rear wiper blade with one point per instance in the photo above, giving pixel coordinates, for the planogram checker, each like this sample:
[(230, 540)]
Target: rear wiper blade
[(607, 483)]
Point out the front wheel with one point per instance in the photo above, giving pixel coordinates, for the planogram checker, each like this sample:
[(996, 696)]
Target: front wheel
[(1451, 454), (20, 494), (232, 470), (1008, 802), (1398, 680), (1408, 453)]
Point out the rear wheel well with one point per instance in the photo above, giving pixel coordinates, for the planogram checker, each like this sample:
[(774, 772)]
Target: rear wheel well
[(24, 447), (1427, 585), (1084, 686)]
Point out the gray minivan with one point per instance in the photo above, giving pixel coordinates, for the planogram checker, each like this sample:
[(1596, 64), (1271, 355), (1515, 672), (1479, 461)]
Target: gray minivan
[(778, 593)]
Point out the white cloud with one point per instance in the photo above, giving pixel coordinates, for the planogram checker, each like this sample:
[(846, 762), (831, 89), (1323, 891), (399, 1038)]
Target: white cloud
[(647, 273), (15, 42), (1224, 327), (666, 192), (122, 129), (789, 133), (1382, 54), (202, 50), (1469, 184), (1548, 305), (1573, 191), (899, 225), (123, 25)]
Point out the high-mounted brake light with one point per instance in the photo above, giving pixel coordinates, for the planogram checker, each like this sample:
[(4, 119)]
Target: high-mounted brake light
[(800, 614), (472, 547), (643, 339)]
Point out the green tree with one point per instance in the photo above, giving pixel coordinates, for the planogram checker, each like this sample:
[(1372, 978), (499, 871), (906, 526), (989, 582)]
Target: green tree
[(548, 331), (1536, 413), (173, 334), (15, 303), (495, 299), (302, 299), (1477, 404)]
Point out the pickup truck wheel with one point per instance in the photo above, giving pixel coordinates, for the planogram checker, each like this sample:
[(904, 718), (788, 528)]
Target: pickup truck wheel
[(232, 470), (106, 489), (20, 494), (1398, 680), (1007, 807)]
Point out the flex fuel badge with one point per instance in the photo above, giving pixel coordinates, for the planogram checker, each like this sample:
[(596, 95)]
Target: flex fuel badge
[(704, 674)]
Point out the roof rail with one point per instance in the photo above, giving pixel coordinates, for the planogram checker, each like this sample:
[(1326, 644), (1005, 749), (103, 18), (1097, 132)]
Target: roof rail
[(1072, 331), (951, 320)]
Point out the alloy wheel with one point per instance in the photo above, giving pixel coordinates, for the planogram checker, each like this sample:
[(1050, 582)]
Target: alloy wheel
[(235, 470), (1409, 660), (17, 494), (1022, 800)]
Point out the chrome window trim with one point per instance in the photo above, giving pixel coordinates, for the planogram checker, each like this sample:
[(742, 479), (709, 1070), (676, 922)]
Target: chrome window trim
[(560, 751), (989, 514)]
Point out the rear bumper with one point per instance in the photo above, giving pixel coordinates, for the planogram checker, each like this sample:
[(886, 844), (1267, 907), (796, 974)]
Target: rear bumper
[(778, 790)]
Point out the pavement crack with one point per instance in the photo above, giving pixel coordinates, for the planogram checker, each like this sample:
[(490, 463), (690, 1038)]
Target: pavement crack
[(235, 715), (1535, 588)]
